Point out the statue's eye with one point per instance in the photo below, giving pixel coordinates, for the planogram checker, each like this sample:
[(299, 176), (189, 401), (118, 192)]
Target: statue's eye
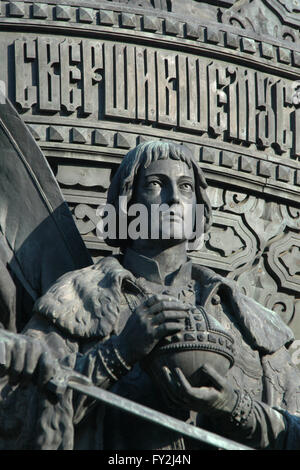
[(186, 187), (153, 184)]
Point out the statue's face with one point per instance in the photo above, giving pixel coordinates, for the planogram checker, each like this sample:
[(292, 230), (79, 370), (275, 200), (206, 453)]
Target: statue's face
[(170, 185)]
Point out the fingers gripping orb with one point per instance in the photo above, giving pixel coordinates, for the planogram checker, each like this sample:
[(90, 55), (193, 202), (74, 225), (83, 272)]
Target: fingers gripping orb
[(202, 342)]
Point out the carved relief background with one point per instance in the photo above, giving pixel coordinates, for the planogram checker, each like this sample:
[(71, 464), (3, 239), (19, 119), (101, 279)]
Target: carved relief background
[(94, 78)]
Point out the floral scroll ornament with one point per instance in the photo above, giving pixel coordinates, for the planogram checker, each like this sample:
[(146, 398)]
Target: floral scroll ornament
[(292, 6), (296, 93)]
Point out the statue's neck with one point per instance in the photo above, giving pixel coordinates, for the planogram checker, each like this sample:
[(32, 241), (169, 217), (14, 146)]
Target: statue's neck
[(169, 259)]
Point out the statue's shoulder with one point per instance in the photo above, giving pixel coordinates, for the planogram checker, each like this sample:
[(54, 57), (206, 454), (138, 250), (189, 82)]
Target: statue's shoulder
[(264, 328), (85, 303)]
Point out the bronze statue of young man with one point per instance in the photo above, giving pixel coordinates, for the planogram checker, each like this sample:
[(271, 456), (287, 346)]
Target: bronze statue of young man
[(105, 320)]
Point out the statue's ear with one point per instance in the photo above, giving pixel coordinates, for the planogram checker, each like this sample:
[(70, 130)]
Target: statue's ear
[(39, 241)]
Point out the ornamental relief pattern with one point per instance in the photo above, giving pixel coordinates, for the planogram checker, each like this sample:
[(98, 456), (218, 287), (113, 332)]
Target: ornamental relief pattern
[(252, 241), (276, 18), (230, 93), (269, 272)]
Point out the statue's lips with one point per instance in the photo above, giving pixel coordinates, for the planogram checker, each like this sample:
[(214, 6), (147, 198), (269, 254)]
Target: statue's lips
[(173, 218)]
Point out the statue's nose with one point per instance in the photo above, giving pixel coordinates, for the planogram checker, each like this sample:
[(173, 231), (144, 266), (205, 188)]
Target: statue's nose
[(173, 195)]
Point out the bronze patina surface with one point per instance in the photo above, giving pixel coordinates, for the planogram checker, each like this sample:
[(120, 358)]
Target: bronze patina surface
[(96, 94)]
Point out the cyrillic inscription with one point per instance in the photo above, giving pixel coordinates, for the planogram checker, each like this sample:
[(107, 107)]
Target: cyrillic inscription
[(146, 85), (25, 55), (139, 84), (49, 81), (71, 75)]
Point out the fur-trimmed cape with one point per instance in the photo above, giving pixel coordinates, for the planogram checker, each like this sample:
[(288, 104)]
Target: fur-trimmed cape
[(83, 306)]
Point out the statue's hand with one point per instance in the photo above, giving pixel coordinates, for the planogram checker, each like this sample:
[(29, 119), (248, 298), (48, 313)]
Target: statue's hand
[(159, 316), (24, 358), (217, 398)]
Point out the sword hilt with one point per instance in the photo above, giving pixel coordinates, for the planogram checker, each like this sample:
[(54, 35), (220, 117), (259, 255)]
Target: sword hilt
[(62, 377), (59, 383)]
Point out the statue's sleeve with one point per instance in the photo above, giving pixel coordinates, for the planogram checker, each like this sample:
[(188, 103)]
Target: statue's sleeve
[(99, 362), (292, 431), (282, 391), (31, 417), (77, 316), (266, 428), (273, 423)]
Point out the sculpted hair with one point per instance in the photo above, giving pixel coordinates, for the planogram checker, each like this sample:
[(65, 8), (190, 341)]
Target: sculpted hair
[(142, 156)]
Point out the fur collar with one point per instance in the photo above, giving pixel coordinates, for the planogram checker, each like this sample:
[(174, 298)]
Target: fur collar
[(86, 304)]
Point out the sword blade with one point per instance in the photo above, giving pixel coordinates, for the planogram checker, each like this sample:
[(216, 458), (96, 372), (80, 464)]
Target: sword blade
[(157, 417), (68, 378)]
